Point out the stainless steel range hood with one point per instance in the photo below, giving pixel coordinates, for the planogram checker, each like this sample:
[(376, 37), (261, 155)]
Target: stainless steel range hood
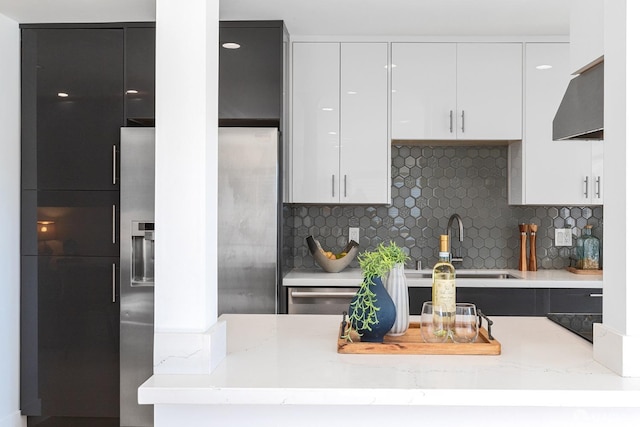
[(580, 115)]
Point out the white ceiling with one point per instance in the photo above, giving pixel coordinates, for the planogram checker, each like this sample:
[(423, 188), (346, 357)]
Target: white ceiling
[(332, 17)]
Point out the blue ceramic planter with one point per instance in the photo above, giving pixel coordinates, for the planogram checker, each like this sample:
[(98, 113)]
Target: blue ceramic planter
[(386, 314)]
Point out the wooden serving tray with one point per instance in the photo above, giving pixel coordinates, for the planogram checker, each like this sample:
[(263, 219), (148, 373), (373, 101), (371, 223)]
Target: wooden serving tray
[(411, 343), (580, 271)]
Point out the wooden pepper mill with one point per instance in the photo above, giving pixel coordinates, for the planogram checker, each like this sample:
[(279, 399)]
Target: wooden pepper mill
[(533, 261), (524, 229)]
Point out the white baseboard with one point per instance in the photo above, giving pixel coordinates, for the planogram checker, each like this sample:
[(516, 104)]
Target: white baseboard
[(13, 420)]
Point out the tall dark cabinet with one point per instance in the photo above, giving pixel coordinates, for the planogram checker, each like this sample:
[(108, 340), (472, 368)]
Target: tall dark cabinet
[(80, 84)]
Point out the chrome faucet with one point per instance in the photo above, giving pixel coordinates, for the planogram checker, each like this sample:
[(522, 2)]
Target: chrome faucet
[(453, 217)]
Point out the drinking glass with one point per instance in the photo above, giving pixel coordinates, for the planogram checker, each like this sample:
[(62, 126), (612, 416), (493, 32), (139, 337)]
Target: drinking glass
[(465, 327), (433, 323)]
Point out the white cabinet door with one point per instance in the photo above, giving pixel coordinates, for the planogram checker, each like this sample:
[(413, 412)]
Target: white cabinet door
[(464, 91), (423, 91), (339, 146), (586, 34), (489, 91), (543, 171), (364, 143), (315, 145)]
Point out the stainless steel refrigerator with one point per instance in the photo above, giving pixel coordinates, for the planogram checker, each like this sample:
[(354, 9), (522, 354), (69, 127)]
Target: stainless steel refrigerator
[(249, 212), (137, 239)]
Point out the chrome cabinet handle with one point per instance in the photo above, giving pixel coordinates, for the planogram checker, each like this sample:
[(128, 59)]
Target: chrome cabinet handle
[(345, 186), (598, 187), (462, 121), (113, 224), (113, 164), (595, 295), (450, 121), (113, 282), (333, 186), (586, 187)]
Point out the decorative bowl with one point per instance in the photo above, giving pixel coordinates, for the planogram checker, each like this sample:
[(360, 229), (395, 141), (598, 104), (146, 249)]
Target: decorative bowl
[(332, 265)]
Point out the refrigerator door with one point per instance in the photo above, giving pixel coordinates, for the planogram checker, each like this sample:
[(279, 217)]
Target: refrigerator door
[(137, 193), (248, 200)]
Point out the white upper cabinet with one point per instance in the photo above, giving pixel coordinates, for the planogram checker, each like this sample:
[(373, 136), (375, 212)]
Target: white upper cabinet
[(543, 171), (586, 34), (340, 144), (464, 91)]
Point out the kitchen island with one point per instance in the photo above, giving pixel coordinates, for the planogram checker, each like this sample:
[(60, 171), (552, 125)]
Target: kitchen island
[(280, 368)]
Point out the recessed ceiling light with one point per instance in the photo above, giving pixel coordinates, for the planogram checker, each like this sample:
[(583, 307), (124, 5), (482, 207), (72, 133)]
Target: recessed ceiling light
[(351, 92), (132, 92), (231, 45), (63, 94), (327, 109), (544, 67)]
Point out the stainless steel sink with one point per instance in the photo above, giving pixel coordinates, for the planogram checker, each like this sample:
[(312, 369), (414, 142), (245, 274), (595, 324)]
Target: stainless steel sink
[(462, 274)]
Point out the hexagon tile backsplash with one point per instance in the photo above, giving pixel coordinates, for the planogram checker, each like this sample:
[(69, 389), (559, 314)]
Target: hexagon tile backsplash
[(429, 184)]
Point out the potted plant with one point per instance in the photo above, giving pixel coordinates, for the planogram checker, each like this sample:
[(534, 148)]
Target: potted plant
[(372, 312)]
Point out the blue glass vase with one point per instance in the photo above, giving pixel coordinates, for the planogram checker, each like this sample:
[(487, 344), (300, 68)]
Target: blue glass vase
[(386, 314)]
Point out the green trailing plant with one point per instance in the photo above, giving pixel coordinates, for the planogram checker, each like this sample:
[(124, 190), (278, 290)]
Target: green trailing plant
[(377, 263)]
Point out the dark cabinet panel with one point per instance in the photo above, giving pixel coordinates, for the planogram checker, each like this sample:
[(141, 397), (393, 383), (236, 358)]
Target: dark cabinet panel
[(140, 68), (70, 223), (251, 77), (492, 301), (70, 366), (74, 101), (575, 301)]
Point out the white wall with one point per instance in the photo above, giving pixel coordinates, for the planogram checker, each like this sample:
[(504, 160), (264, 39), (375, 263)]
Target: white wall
[(10, 220)]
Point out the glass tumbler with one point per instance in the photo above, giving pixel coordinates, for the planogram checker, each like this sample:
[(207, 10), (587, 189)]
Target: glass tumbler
[(434, 325), (465, 327)]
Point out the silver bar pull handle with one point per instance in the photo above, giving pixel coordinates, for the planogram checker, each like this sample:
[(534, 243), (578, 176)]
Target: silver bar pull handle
[(113, 164), (113, 282), (345, 186), (595, 295), (333, 186), (462, 121), (598, 187), (586, 187), (450, 121), (327, 294), (113, 224)]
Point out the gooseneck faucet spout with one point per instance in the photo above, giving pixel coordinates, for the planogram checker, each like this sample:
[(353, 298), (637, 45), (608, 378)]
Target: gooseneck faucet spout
[(453, 217)]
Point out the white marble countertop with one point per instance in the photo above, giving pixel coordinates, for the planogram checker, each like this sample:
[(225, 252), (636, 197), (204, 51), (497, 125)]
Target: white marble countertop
[(293, 360), (523, 279)]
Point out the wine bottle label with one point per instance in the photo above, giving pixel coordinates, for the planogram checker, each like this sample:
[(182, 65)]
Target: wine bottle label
[(444, 294)]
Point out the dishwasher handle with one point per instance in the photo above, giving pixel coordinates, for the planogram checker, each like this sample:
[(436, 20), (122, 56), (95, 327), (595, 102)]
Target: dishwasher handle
[(323, 294)]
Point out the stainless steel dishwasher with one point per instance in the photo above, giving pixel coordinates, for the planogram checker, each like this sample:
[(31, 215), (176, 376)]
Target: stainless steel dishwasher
[(320, 300)]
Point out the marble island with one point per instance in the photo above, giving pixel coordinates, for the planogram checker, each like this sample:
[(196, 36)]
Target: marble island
[(280, 367)]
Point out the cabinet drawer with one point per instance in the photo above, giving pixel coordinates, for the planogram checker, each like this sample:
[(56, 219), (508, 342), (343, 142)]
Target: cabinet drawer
[(575, 300)]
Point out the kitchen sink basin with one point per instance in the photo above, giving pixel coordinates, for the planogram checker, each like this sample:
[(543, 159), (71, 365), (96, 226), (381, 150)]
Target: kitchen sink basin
[(462, 274)]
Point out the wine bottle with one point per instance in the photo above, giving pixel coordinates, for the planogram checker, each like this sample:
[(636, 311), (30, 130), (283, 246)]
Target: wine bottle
[(444, 281)]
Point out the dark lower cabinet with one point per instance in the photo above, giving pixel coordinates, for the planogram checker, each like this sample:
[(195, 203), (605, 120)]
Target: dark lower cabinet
[(70, 335), (519, 301), (575, 300)]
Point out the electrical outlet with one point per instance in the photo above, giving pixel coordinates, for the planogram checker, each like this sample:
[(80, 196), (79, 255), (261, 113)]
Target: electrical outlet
[(563, 237), (354, 234)]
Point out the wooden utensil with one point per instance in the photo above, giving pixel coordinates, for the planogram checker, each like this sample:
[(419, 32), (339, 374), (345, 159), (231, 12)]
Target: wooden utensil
[(533, 262), (524, 229)]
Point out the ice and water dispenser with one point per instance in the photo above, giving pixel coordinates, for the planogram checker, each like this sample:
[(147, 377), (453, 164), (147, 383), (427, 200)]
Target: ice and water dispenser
[(142, 259)]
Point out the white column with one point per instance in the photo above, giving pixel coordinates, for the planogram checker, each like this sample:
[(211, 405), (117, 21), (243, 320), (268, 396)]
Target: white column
[(617, 340), (10, 219), (187, 338)]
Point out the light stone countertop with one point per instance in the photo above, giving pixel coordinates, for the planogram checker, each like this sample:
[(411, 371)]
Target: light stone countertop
[(524, 279), (293, 360)]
